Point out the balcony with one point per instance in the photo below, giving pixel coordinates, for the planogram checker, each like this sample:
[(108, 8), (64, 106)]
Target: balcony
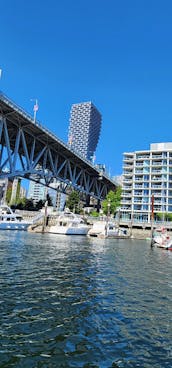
[(138, 171), (124, 201), (142, 157), (127, 180), (156, 172), (126, 194), (157, 156), (127, 172), (156, 178), (156, 163), (128, 158)]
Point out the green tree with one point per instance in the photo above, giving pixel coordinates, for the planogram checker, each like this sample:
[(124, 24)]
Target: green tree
[(73, 201), (8, 195), (112, 201), (40, 204), (18, 191), (94, 213), (29, 205)]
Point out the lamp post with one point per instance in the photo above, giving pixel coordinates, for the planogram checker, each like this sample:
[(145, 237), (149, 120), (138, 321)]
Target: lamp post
[(35, 108), (118, 217)]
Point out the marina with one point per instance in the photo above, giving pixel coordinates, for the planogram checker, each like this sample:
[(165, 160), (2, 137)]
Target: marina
[(74, 301)]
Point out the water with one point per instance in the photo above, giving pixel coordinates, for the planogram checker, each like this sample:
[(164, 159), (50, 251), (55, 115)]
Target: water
[(78, 302)]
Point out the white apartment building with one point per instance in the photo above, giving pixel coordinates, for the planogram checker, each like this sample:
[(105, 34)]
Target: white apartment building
[(147, 174)]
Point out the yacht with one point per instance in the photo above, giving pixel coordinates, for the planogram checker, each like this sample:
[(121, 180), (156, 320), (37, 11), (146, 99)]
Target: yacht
[(11, 221), (68, 223)]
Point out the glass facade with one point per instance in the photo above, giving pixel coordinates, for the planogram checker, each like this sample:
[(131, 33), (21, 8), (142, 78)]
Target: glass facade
[(84, 129)]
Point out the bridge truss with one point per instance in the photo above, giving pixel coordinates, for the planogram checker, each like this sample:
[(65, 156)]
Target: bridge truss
[(28, 150)]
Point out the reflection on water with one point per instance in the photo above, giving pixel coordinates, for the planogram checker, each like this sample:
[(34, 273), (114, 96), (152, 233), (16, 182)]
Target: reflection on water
[(78, 302)]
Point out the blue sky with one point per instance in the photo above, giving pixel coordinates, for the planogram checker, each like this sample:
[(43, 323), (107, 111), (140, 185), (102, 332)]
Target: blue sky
[(117, 54)]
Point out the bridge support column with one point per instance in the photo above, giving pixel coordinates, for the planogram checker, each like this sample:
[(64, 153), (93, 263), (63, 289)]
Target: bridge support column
[(98, 205), (87, 202)]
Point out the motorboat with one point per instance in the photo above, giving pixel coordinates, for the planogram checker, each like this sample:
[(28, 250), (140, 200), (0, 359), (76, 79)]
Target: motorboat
[(11, 221), (68, 223), (167, 246), (106, 229), (162, 239)]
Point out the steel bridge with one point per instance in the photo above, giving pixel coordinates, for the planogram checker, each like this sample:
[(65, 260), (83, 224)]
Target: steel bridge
[(29, 150)]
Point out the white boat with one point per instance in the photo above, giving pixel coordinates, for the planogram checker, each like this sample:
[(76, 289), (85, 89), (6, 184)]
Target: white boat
[(106, 229), (162, 239), (69, 223), (11, 221)]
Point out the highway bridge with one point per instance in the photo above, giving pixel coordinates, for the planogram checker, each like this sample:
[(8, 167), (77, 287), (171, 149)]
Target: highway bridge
[(28, 148)]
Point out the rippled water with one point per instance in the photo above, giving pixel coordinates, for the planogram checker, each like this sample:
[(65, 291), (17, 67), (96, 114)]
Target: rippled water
[(78, 302)]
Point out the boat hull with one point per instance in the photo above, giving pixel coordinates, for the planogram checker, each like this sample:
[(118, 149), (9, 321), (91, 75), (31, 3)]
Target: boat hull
[(13, 225), (62, 230)]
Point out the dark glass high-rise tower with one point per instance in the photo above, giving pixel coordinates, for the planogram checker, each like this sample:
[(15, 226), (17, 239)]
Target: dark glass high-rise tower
[(84, 129)]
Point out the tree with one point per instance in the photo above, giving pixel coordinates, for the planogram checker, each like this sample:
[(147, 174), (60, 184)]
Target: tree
[(8, 195), (73, 201), (29, 205), (39, 204), (49, 200), (112, 201)]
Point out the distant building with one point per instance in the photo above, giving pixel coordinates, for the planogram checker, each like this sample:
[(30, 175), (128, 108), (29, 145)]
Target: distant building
[(3, 190), (37, 191), (15, 184), (22, 192), (118, 179), (16, 190), (84, 129), (146, 174), (58, 199)]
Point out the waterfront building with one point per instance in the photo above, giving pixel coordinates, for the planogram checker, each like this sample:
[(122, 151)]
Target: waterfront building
[(15, 189), (22, 192), (84, 129), (37, 191), (146, 175)]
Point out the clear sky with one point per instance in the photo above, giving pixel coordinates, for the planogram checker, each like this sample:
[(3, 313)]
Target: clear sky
[(115, 53)]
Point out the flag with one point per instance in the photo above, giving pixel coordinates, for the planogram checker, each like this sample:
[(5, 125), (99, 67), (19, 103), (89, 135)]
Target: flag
[(0, 73), (36, 107)]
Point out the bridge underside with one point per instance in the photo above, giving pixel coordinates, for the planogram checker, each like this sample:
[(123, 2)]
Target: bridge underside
[(28, 149)]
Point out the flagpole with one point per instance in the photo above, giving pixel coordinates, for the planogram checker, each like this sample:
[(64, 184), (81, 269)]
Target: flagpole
[(152, 220)]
